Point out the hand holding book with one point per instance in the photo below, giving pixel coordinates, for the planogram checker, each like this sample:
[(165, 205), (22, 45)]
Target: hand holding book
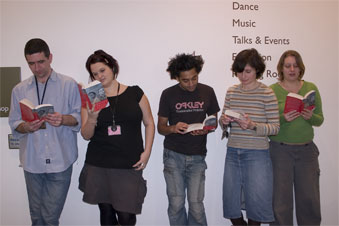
[(307, 114), (298, 103), (93, 94), (54, 119), (30, 127), (225, 121), (233, 115), (209, 124), (30, 113)]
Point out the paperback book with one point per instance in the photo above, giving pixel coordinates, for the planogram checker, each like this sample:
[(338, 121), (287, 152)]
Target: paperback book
[(210, 123), (299, 103), (30, 113), (93, 94), (234, 114)]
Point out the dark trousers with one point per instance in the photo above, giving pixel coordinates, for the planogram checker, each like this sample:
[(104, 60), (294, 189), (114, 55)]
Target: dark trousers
[(295, 167)]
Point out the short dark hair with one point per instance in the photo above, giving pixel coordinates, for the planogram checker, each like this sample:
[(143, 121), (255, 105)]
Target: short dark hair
[(298, 60), (250, 57), (102, 57), (36, 45), (184, 62)]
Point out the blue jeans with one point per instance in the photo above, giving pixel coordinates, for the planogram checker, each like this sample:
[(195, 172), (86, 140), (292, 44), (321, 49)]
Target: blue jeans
[(185, 172), (250, 172), (46, 195)]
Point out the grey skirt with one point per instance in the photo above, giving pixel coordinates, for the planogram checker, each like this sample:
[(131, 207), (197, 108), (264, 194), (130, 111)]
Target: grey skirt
[(125, 189)]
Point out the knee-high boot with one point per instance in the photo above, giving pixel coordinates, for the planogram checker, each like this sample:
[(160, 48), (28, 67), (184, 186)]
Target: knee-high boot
[(252, 222)]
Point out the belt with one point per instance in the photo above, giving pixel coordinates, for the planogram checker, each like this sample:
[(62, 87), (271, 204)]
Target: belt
[(296, 144)]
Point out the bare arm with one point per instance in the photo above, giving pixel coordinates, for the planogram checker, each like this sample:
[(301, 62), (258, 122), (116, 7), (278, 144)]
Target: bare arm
[(148, 122), (89, 121), (165, 129), (216, 123), (69, 120)]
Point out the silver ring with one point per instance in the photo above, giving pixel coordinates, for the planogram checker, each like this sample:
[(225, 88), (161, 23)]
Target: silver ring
[(142, 164)]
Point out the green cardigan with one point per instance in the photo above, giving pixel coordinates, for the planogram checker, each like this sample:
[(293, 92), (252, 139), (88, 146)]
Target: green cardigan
[(298, 130)]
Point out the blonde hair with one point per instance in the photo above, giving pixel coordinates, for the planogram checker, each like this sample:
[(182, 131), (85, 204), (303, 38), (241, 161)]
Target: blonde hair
[(298, 60)]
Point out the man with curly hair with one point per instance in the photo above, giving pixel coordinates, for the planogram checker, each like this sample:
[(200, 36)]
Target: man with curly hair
[(184, 153)]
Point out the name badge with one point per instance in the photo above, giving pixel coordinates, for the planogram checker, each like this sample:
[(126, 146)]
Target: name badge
[(115, 132)]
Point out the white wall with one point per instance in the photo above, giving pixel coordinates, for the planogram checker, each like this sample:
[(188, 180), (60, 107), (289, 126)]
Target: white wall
[(142, 35)]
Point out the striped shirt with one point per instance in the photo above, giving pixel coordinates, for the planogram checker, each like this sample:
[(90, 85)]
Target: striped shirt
[(261, 105)]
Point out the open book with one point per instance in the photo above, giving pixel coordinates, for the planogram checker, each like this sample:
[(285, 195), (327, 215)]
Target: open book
[(93, 93), (30, 113), (210, 123), (297, 102), (234, 114)]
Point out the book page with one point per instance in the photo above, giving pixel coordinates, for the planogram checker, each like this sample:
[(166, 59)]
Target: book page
[(234, 114), (309, 100), (210, 123), (44, 110), (194, 126)]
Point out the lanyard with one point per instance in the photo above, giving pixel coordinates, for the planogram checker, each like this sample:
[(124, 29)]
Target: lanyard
[(37, 90), (114, 127)]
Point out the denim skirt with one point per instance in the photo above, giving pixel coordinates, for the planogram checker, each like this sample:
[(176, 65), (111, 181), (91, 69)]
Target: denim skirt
[(125, 189), (248, 184)]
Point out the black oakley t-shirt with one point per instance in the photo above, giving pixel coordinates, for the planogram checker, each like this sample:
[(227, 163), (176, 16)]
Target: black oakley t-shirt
[(179, 105)]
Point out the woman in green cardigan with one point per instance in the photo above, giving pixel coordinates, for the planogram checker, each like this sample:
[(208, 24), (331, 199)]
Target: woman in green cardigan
[(294, 155)]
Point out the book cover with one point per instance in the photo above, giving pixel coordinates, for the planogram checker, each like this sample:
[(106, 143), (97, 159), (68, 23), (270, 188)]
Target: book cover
[(299, 103), (210, 123), (30, 113), (93, 93), (83, 96)]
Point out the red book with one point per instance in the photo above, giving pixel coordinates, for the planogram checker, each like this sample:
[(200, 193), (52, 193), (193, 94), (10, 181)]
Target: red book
[(93, 93), (30, 113), (299, 103), (83, 96)]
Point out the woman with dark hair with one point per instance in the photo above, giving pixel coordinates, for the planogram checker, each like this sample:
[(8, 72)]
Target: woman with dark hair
[(116, 157), (248, 167), (294, 155)]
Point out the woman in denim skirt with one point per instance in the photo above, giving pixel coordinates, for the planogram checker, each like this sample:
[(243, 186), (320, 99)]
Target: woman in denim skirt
[(251, 112)]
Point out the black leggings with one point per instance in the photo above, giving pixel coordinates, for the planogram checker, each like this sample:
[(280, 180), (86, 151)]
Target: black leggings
[(109, 216)]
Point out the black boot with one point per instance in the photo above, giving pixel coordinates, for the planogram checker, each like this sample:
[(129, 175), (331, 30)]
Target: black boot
[(238, 221), (252, 222)]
